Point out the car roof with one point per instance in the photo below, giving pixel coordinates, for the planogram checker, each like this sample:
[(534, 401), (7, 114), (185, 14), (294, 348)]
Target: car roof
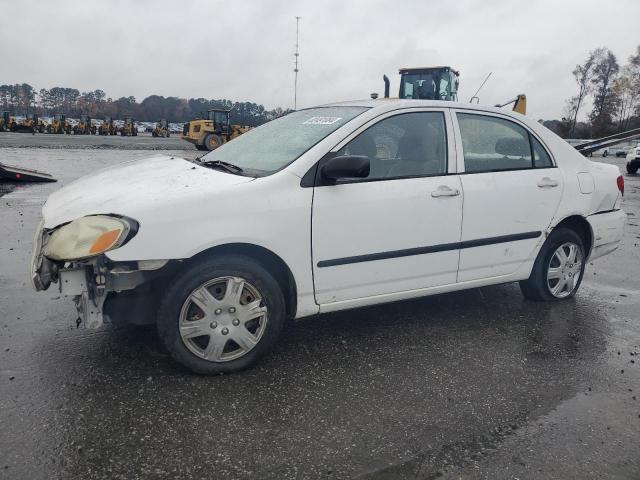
[(388, 104)]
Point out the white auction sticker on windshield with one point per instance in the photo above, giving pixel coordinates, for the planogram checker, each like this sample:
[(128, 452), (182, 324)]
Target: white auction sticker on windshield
[(321, 120)]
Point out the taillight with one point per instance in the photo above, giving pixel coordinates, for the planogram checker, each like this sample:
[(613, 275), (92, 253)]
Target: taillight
[(620, 182)]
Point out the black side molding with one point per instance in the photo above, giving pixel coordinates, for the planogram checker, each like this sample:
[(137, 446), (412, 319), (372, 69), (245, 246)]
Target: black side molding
[(444, 247)]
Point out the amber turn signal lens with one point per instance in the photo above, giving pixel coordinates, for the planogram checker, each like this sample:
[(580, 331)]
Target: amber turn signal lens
[(105, 241)]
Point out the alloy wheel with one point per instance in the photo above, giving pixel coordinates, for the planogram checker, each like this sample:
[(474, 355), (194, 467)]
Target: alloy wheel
[(564, 270)]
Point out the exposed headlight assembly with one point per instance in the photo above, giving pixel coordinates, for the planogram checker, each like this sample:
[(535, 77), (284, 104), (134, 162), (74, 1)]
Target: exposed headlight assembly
[(89, 236)]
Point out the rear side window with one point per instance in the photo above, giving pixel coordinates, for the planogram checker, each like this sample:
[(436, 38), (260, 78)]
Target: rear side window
[(494, 144)]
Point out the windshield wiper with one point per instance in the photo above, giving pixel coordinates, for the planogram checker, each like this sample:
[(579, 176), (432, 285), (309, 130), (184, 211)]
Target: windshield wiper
[(229, 167)]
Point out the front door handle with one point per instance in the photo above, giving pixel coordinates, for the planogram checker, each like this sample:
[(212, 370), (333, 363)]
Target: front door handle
[(547, 182), (445, 191)]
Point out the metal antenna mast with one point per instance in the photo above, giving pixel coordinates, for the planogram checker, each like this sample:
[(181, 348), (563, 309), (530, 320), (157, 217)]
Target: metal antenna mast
[(296, 70)]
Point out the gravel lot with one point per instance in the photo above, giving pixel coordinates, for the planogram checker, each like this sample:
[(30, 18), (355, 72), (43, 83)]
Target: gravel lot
[(475, 384), (143, 141)]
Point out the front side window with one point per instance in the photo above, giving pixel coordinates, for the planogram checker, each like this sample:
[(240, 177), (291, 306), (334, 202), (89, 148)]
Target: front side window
[(406, 145), (494, 144), (274, 145)]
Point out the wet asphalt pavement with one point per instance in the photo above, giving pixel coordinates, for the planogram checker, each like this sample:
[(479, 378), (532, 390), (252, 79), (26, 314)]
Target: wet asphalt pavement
[(475, 384)]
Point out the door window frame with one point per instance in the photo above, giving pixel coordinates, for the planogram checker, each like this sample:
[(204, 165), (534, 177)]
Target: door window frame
[(531, 134), (312, 177)]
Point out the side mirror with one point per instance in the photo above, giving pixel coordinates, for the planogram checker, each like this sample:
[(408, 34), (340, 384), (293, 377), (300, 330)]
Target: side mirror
[(346, 166)]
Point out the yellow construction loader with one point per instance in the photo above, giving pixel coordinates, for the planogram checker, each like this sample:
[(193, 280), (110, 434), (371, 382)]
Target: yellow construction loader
[(31, 123), (85, 126), (129, 128), (212, 131), (107, 127), (7, 122), (59, 124), (161, 130), (437, 83)]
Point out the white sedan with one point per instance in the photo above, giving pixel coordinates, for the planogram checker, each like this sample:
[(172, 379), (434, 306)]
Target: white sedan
[(326, 209)]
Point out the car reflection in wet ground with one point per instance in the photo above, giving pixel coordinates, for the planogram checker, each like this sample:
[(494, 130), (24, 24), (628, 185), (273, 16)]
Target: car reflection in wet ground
[(471, 384)]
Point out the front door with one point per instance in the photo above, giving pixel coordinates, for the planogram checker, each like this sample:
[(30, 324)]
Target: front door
[(398, 229)]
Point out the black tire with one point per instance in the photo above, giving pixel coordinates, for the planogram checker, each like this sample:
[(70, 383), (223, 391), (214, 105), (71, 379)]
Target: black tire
[(631, 170), (605, 153), (196, 275), (212, 141), (536, 287)]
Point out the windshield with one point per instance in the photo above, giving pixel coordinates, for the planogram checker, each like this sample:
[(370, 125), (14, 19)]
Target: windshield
[(218, 117), (276, 144), (427, 86)]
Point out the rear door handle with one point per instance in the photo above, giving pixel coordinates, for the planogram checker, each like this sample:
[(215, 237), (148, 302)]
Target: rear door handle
[(547, 182), (445, 191)]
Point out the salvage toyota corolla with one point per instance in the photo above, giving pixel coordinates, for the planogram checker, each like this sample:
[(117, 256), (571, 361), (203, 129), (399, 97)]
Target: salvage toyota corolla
[(326, 209)]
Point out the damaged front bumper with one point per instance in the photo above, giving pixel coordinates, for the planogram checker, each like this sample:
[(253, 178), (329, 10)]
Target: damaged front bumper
[(90, 281)]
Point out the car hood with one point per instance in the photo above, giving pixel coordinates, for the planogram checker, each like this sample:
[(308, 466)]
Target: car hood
[(137, 189)]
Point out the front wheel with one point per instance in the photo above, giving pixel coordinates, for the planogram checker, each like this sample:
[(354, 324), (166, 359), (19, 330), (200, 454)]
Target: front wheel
[(221, 315), (631, 170), (559, 268), (212, 141)]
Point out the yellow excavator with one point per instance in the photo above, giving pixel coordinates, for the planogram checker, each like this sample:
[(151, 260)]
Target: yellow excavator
[(59, 124), (7, 122), (437, 83), (107, 127), (212, 131), (161, 130), (85, 126), (519, 104), (129, 128)]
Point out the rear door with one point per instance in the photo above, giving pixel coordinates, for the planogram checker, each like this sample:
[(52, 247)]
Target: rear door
[(398, 229), (512, 190)]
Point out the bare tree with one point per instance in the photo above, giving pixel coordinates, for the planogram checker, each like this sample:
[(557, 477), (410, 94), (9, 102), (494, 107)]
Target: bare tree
[(583, 75), (627, 89), (605, 99)]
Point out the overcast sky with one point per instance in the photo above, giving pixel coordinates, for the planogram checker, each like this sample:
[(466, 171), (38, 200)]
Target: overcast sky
[(243, 50)]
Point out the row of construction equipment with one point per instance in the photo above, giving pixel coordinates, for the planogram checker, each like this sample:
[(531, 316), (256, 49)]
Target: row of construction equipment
[(32, 123)]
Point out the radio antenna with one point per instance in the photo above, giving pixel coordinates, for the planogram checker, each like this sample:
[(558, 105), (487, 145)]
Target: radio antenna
[(296, 70), (475, 95)]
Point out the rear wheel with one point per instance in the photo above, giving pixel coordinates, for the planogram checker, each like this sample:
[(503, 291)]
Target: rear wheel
[(631, 170), (221, 315), (559, 268)]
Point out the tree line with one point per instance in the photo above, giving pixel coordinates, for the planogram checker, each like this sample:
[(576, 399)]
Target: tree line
[(614, 91), (23, 98)]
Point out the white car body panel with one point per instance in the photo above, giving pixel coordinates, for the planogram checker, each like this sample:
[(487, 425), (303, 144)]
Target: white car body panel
[(486, 214), (363, 218), (184, 209)]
